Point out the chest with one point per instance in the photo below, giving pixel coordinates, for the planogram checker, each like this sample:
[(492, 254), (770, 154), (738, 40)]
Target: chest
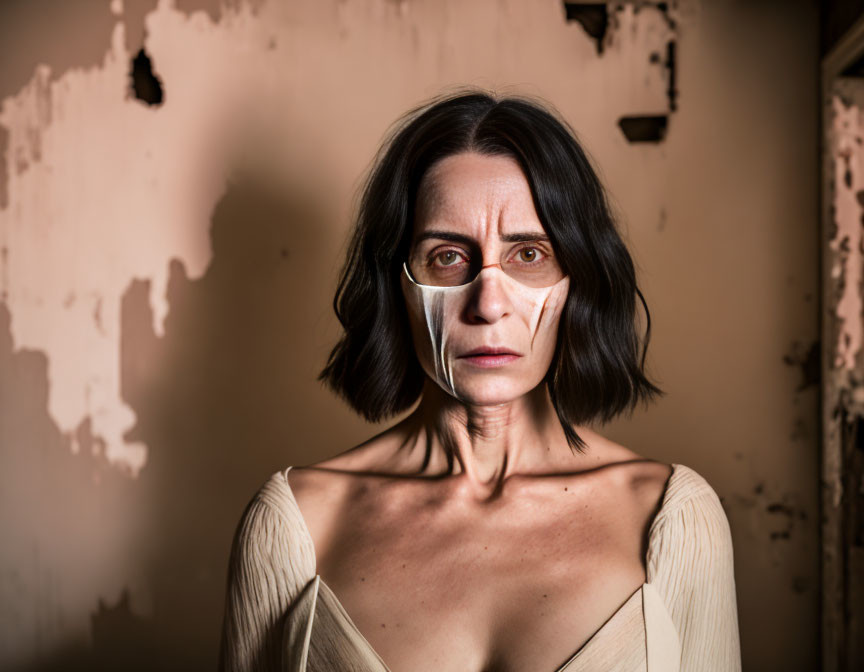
[(520, 584)]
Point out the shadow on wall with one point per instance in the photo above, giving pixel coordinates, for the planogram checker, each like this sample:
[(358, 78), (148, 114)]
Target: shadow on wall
[(218, 400)]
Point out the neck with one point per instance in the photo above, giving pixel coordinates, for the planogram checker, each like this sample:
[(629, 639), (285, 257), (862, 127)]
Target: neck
[(487, 444)]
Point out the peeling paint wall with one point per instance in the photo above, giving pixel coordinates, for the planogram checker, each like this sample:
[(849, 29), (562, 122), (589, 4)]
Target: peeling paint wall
[(846, 242), (843, 399), (173, 210)]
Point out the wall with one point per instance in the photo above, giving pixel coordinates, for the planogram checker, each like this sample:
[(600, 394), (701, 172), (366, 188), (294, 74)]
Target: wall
[(171, 225)]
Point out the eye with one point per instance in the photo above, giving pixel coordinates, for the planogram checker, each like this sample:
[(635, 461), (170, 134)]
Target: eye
[(447, 257), (530, 254)]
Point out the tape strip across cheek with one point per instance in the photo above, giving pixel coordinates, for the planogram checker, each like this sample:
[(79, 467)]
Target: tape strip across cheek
[(536, 302), (437, 305), (433, 307)]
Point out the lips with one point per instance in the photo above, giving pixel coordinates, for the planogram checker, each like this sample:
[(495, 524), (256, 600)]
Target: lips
[(489, 352), (490, 357)]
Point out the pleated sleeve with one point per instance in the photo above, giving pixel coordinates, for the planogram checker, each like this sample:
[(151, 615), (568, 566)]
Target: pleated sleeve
[(692, 567), (271, 561)]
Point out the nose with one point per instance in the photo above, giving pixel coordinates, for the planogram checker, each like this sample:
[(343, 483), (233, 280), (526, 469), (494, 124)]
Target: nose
[(489, 300)]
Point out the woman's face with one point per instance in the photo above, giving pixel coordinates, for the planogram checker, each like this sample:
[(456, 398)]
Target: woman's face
[(475, 224)]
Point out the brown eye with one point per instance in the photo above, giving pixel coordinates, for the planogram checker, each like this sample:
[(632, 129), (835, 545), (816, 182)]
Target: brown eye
[(528, 254), (448, 258)]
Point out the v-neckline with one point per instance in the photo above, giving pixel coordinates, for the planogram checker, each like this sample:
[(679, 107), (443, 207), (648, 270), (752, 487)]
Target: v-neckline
[(562, 668)]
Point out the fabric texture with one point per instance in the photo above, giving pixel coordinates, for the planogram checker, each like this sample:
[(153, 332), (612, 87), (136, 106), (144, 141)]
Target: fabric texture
[(281, 616)]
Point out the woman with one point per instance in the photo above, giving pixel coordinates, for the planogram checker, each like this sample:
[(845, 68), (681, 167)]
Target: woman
[(492, 529)]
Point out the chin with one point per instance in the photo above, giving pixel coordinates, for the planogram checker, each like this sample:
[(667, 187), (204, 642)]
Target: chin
[(491, 389)]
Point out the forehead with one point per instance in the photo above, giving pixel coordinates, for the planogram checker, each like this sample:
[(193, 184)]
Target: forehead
[(477, 192)]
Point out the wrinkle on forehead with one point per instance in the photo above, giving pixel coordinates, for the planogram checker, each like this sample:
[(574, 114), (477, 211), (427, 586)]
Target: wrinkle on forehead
[(446, 193)]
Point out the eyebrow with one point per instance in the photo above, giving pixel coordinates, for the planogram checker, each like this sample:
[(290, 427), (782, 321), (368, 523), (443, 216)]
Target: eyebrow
[(525, 237)]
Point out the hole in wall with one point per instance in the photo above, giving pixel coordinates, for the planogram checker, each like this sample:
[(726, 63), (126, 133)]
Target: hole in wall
[(650, 128), (145, 84), (592, 16), (671, 92)]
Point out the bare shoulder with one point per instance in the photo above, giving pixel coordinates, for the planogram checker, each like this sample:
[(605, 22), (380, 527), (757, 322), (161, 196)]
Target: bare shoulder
[(377, 455), (644, 479), (642, 485), (324, 488), (649, 479), (349, 473), (648, 485)]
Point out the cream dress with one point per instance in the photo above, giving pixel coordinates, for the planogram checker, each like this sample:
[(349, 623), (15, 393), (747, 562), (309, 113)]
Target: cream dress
[(280, 615)]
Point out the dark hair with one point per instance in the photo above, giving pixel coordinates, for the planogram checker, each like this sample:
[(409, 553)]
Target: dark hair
[(595, 372)]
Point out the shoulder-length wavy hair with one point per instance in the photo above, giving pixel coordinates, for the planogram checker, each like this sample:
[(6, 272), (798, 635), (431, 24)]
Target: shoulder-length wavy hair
[(596, 372)]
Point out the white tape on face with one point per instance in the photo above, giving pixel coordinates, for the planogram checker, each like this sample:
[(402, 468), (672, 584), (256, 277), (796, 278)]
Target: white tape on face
[(439, 309)]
